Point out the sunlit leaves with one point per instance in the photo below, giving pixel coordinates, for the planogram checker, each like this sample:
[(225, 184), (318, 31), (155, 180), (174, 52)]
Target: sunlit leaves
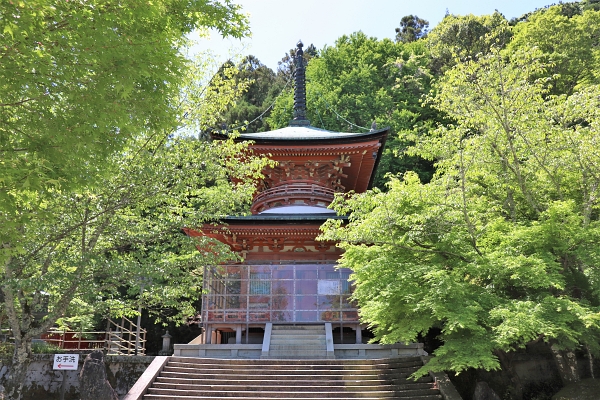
[(500, 248)]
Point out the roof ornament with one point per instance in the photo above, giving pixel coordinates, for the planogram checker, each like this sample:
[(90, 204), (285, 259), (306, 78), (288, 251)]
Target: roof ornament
[(300, 89)]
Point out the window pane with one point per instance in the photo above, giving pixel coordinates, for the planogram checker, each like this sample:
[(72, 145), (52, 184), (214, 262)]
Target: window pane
[(260, 282), (281, 316), (283, 287), (306, 287), (282, 303), (306, 316), (330, 316), (306, 302), (258, 302)]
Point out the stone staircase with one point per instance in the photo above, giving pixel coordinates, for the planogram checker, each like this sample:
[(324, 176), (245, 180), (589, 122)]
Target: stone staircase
[(188, 378), (298, 342)]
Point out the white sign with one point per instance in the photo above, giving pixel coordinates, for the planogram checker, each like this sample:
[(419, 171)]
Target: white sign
[(329, 287), (66, 362)]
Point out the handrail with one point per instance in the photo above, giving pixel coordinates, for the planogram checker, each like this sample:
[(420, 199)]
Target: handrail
[(292, 191), (295, 188)]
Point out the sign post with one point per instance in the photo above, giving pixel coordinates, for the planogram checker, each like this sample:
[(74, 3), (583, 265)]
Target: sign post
[(65, 362)]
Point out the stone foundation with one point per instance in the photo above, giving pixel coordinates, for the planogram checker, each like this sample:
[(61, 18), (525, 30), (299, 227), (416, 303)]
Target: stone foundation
[(43, 382)]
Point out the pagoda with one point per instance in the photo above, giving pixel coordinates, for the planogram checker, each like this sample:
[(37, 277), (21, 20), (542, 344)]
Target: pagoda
[(287, 276)]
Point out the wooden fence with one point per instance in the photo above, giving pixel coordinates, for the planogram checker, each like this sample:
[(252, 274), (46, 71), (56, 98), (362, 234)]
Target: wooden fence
[(122, 338)]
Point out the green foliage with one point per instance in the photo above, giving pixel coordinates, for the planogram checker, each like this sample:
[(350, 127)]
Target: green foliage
[(78, 79), (6, 350), (360, 80), (466, 37), (412, 28), (500, 248), (45, 348), (263, 87), (570, 44), (94, 190)]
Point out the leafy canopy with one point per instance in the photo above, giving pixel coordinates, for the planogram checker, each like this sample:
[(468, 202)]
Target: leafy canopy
[(93, 194), (499, 249), (78, 79)]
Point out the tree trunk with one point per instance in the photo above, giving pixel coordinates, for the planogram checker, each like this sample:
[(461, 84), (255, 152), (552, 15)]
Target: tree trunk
[(506, 362), (591, 361), (566, 361), (13, 385)]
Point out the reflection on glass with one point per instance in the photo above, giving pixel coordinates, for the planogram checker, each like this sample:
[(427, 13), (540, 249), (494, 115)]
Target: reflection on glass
[(306, 272), (329, 302), (232, 302), (254, 316), (282, 316), (306, 316), (306, 302), (262, 293), (235, 316), (260, 283), (348, 303), (262, 302), (306, 287), (284, 274), (283, 287), (282, 303), (350, 315), (330, 316)]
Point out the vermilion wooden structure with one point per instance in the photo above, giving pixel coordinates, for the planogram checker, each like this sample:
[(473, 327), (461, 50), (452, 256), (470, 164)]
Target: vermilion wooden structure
[(287, 275)]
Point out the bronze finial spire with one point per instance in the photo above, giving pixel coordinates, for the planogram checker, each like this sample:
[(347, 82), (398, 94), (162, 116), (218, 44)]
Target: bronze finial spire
[(300, 89)]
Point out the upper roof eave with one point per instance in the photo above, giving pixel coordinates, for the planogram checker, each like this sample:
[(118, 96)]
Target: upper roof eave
[(262, 218), (309, 133)]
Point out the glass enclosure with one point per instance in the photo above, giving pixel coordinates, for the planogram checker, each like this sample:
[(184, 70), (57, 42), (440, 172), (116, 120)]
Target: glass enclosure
[(278, 293)]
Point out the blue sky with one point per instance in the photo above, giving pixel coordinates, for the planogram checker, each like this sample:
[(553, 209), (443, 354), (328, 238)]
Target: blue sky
[(277, 25)]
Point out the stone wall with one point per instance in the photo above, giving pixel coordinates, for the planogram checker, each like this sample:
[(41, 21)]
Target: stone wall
[(44, 383), (535, 368)]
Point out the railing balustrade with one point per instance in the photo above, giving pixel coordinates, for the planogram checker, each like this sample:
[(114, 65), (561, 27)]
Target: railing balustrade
[(117, 339)]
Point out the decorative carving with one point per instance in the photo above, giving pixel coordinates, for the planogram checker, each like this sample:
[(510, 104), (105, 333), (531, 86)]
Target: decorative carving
[(311, 183)]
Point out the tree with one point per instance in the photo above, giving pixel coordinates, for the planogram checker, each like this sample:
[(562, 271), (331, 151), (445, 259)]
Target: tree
[(78, 79), (465, 37), (95, 71), (499, 249), (101, 245), (569, 42), (95, 243), (285, 67), (252, 107), (89, 93), (412, 28), (360, 80)]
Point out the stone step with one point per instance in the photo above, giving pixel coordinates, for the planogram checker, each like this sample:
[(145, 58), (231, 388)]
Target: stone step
[(305, 371), (298, 347), (316, 386), (291, 332), (295, 355), (301, 394), (289, 367), (316, 327), (421, 383), (187, 378), (288, 377), (380, 361), (196, 397), (343, 363), (297, 337)]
